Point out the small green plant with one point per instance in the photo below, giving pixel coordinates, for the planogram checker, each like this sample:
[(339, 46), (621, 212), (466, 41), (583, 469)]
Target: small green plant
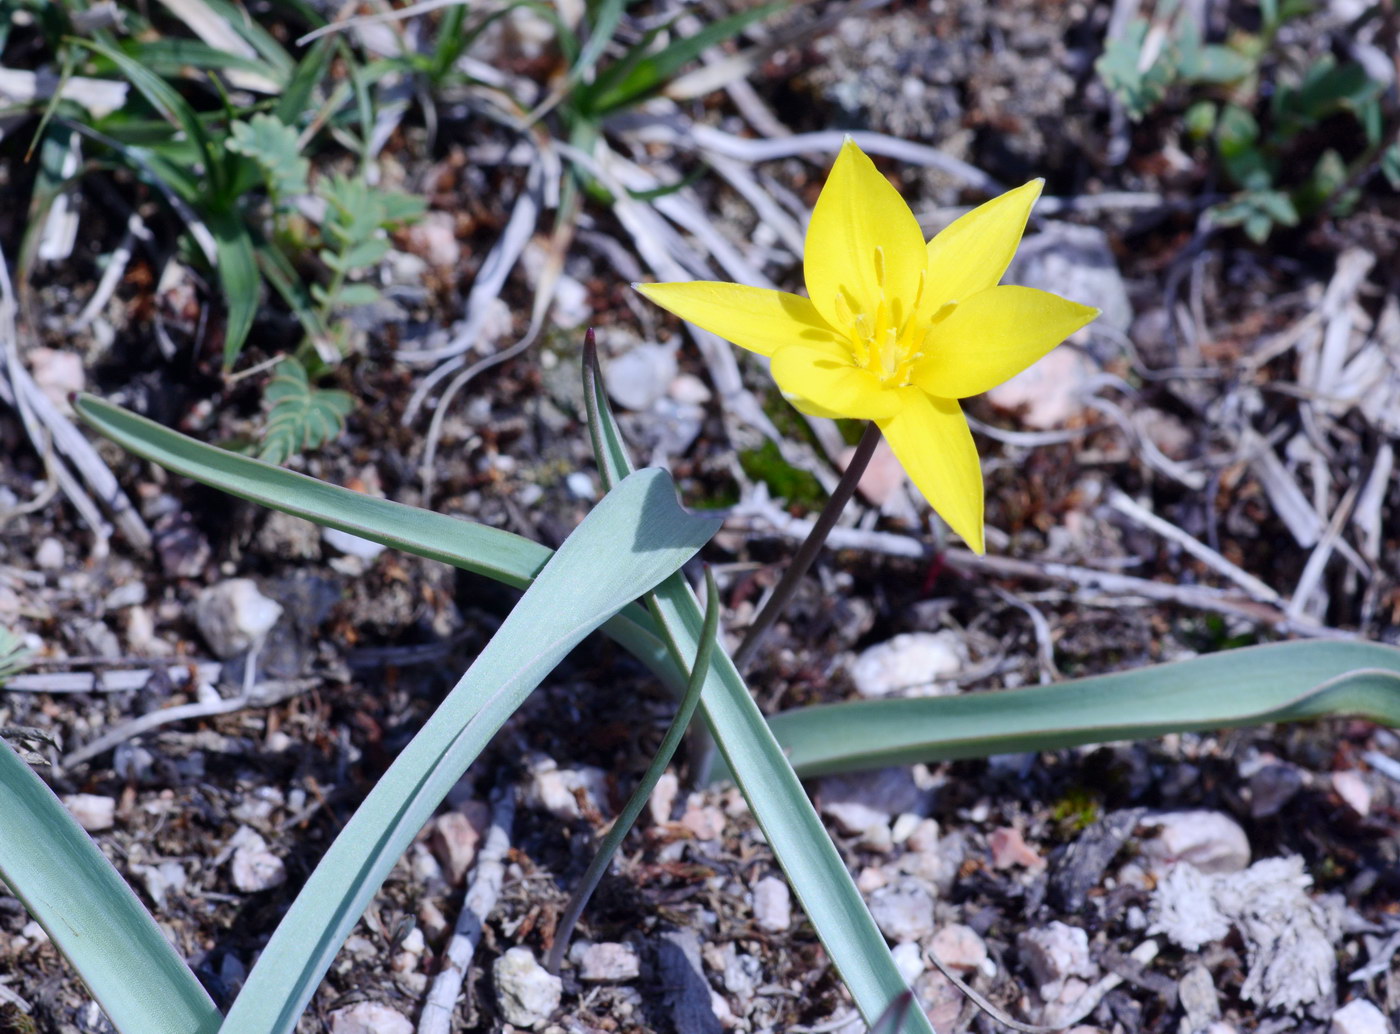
[(353, 239), (14, 655), (300, 416), (1262, 117), (237, 170)]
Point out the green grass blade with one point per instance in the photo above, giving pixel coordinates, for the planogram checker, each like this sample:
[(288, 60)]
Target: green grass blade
[(637, 535), (171, 58), (1273, 683), (641, 76), (497, 554), (238, 275), (675, 732), (785, 814), (164, 98), (91, 915)]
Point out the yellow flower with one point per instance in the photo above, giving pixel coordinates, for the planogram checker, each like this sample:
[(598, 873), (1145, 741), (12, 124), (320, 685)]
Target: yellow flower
[(896, 330)]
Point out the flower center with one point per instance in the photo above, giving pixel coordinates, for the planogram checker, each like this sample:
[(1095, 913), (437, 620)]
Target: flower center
[(885, 342)]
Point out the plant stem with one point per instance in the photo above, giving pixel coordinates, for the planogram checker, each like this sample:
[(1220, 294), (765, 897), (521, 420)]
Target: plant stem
[(809, 549)]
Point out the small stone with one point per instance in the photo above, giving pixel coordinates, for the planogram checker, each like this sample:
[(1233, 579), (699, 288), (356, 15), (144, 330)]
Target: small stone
[(58, 374), (704, 823), (912, 664), (1210, 840), (903, 910), (1271, 787), (909, 960), (1049, 391), (924, 837), (941, 1000), (581, 486), (904, 826), (641, 376), (772, 904), (1076, 262), (1359, 1016), (92, 811), (663, 798), (1351, 787), (351, 545), (560, 790), (49, 555), (882, 478), (1009, 849), (526, 992), (161, 879), (369, 1018), (253, 867), (455, 837), (857, 819), (1197, 995), (1054, 954), (233, 615), (690, 390), (608, 962), (959, 947), (434, 238)]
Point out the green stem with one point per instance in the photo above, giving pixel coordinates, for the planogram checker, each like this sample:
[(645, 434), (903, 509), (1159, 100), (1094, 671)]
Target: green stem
[(809, 549)]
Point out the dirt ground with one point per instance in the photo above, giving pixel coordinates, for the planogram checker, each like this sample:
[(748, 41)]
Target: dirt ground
[(1239, 395)]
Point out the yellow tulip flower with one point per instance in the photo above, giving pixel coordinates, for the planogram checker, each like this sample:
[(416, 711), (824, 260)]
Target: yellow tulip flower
[(895, 330)]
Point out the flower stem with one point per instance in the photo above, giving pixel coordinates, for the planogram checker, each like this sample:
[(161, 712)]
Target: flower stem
[(811, 546)]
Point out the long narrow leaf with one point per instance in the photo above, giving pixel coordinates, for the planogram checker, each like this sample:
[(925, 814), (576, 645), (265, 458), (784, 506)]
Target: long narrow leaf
[(785, 814), (172, 106), (497, 554), (1278, 682), (636, 536), (90, 913), (238, 275)]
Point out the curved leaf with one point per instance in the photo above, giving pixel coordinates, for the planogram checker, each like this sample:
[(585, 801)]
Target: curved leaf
[(636, 536), (91, 915), (1279, 682)]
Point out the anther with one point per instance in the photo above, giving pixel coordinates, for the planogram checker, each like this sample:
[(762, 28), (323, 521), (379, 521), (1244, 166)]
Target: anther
[(880, 267)]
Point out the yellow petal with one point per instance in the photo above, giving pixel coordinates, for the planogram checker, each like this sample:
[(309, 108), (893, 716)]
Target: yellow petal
[(755, 318), (972, 253), (993, 336), (931, 439), (857, 214), (827, 382)]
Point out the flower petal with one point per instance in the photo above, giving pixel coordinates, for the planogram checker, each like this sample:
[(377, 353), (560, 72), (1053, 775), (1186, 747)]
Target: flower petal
[(857, 213), (931, 439), (972, 253), (993, 336), (829, 383), (755, 318)]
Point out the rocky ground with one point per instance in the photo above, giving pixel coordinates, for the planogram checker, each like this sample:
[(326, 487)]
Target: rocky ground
[(1209, 466)]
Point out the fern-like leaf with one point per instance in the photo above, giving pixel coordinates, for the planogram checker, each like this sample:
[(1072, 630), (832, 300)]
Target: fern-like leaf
[(300, 415), (14, 655), (272, 145)]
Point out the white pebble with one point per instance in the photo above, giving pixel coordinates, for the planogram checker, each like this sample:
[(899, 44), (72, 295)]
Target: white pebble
[(526, 992), (233, 615), (959, 947), (1210, 840), (1359, 1016), (369, 1018), (1054, 954), (915, 664), (93, 812), (608, 961), (49, 555), (253, 867), (772, 904)]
